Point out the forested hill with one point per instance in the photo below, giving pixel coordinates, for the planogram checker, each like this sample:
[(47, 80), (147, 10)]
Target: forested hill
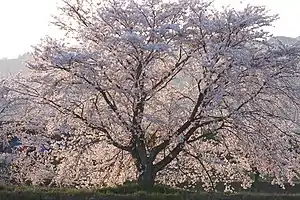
[(12, 66), (287, 40)]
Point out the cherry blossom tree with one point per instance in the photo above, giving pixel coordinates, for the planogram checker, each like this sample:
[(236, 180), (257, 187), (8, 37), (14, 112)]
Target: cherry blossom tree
[(165, 91), (19, 160), (6, 155)]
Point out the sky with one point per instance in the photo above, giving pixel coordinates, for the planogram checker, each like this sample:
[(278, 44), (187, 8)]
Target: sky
[(24, 22)]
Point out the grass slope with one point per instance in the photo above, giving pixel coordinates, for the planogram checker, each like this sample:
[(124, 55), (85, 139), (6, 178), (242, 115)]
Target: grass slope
[(130, 192)]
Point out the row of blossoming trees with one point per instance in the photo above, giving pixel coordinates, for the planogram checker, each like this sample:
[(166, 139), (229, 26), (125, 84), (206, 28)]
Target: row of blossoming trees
[(156, 91)]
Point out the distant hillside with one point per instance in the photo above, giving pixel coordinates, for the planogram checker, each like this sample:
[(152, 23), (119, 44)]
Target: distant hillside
[(286, 40), (12, 66)]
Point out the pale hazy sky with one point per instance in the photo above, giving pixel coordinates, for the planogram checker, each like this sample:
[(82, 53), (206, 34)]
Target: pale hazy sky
[(24, 22)]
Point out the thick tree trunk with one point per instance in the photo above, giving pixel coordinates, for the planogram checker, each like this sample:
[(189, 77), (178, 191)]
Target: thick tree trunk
[(146, 178), (255, 184)]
